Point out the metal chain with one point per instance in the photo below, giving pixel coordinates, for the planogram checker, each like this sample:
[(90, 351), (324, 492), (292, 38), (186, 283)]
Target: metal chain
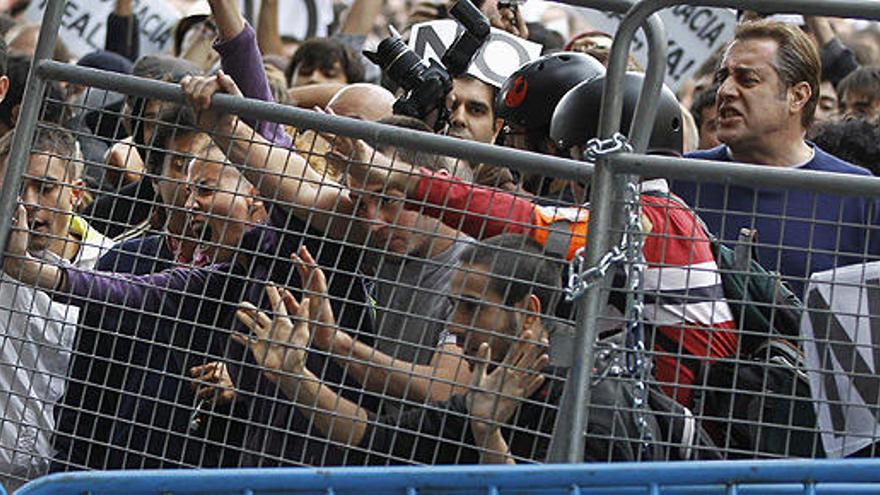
[(629, 249), (637, 362), (597, 148), (579, 279)]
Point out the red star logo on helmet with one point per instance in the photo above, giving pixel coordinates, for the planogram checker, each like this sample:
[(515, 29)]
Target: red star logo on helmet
[(517, 93)]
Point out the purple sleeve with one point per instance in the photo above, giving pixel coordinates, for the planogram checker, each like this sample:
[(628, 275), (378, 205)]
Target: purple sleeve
[(241, 59), (147, 293)]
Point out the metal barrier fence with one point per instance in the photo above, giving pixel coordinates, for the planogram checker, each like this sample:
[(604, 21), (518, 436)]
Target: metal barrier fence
[(118, 381), (158, 365), (102, 365), (756, 478)]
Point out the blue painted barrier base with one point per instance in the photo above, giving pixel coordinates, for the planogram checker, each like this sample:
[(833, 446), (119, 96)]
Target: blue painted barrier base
[(727, 478)]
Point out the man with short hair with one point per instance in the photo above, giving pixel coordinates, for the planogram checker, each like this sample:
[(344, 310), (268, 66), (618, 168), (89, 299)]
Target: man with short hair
[(39, 333), (706, 118), (505, 293), (323, 60), (859, 93), (471, 104), (472, 110), (828, 109), (362, 101), (768, 93), (114, 380)]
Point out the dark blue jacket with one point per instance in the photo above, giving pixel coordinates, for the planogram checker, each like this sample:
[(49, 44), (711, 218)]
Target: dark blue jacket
[(799, 232)]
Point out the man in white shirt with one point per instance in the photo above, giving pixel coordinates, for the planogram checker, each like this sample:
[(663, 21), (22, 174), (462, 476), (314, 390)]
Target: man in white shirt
[(37, 334)]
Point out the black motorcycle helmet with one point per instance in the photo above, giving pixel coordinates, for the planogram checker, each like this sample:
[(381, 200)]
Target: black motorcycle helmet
[(528, 96), (576, 118)]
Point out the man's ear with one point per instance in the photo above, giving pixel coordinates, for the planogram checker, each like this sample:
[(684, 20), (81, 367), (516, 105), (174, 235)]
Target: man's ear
[(800, 95), (77, 191), (532, 315), (4, 87), (499, 125)]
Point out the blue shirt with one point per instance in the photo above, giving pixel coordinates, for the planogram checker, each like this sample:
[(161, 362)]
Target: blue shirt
[(799, 232)]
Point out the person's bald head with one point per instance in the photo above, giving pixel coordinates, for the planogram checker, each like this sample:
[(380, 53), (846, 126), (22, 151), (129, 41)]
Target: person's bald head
[(363, 101)]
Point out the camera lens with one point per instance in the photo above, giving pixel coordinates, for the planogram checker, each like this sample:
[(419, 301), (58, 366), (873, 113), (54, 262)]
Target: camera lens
[(402, 64)]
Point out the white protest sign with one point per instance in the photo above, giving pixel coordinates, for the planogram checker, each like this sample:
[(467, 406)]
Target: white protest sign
[(300, 19), (84, 23), (694, 33), (842, 350), (498, 58)]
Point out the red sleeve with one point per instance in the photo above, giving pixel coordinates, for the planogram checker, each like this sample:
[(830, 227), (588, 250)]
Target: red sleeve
[(477, 211)]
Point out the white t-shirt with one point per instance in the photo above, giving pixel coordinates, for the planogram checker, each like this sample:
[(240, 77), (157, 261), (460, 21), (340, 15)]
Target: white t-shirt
[(36, 338)]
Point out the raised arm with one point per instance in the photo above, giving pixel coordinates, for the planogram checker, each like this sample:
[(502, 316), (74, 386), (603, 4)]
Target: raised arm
[(269, 37), (241, 60), (360, 17), (838, 60), (123, 31)]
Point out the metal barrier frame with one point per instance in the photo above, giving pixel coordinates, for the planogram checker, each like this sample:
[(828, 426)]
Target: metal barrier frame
[(607, 180), (607, 185), (640, 133), (731, 477)]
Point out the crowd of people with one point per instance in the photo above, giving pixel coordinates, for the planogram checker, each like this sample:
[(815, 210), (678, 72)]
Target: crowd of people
[(184, 287)]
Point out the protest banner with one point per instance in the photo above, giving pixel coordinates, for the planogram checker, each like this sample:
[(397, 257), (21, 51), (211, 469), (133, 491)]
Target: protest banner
[(694, 33), (841, 331), (300, 19), (84, 23), (499, 56)]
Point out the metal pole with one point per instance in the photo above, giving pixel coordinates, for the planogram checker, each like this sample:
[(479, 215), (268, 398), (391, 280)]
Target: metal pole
[(568, 440), (32, 100), (307, 119), (604, 185), (646, 110), (612, 97), (743, 174)]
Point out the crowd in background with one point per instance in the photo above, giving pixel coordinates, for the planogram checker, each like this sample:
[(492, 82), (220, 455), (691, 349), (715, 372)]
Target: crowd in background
[(189, 288)]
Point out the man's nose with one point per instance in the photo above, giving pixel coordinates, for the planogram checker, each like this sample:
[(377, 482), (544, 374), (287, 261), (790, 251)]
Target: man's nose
[(726, 89), (457, 116), (190, 203), (318, 77), (30, 196)]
